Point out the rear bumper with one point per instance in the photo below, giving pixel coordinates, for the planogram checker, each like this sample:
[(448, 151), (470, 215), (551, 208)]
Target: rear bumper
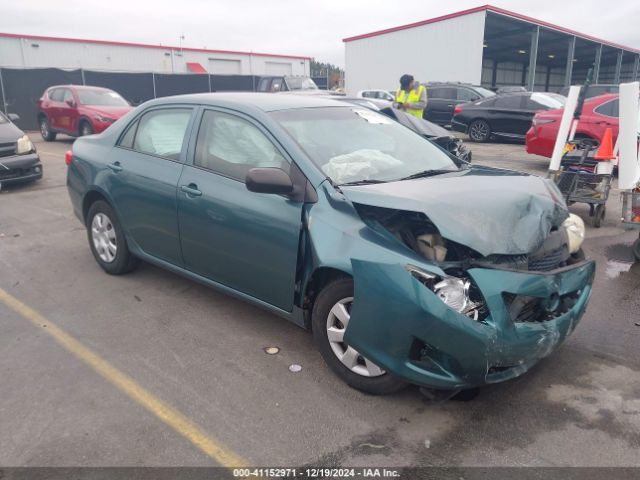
[(20, 168), (403, 327)]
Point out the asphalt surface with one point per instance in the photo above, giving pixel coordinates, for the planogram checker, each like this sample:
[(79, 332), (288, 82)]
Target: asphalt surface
[(202, 353)]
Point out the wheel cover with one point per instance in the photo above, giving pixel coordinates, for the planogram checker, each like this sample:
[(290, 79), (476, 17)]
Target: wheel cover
[(478, 130), (337, 322), (103, 235)]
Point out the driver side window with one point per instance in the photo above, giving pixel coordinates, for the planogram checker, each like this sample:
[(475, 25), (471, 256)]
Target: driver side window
[(231, 146)]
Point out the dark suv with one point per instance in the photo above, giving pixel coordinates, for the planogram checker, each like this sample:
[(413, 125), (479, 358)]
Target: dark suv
[(442, 98)]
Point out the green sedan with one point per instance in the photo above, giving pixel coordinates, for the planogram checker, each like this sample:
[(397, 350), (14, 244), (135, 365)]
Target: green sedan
[(407, 264)]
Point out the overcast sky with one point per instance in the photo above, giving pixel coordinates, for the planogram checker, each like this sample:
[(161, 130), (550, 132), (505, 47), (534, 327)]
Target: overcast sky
[(301, 27)]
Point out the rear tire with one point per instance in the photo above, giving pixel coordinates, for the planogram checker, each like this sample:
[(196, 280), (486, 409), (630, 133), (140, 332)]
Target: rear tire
[(331, 313), (479, 131), (107, 241), (45, 130)]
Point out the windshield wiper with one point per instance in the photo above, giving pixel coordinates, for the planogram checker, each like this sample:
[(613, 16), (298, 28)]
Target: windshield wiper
[(427, 173), (361, 182)]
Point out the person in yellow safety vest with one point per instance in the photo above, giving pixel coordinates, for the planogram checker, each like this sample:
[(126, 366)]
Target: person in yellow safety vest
[(411, 96)]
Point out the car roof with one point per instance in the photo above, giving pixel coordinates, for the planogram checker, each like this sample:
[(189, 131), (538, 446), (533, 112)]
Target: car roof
[(267, 102), (79, 87)]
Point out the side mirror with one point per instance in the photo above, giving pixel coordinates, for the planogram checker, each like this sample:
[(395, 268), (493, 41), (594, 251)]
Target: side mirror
[(269, 180), (13, 117), (71, 103)]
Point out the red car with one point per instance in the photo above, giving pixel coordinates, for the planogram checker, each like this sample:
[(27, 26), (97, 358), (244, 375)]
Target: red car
[(78, 110), (598, 114)]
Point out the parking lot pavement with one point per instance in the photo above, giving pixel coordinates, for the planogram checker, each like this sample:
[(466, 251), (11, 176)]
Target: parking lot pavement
[(201, 353)]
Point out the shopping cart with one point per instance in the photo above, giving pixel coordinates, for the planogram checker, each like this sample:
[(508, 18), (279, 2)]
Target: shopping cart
[(631, 216), (579, 182)]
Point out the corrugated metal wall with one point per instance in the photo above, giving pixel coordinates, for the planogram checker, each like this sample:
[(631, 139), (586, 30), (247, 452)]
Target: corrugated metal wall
[(35, 53), (449, 50)]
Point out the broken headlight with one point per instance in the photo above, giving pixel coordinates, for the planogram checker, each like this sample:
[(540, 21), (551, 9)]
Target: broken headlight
[(453, 291), (574, 226), (24, 145)]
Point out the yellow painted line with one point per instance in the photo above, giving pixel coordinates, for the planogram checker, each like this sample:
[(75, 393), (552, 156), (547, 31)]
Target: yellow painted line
[(128, 386)]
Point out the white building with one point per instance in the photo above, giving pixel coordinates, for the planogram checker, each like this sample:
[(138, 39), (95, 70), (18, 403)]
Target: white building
[(30, 51), (486, 46)]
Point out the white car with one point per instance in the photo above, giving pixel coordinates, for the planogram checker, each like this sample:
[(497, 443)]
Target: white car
[(376, 95)]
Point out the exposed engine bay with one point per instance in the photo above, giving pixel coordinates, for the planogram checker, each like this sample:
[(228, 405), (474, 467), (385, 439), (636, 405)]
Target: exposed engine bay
[(417, 232)]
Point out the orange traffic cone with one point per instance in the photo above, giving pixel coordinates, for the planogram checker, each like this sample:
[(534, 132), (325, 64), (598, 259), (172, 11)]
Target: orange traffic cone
[(605, 152)]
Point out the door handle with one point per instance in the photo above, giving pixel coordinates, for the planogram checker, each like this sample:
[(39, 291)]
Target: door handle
[(191, 190), (115, 166)]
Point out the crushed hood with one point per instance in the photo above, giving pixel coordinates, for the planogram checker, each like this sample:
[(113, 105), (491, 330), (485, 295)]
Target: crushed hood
[(489, 210)]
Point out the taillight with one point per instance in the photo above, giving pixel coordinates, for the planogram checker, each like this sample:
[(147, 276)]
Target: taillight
[(457, 110), (68, 157), (541, 121)]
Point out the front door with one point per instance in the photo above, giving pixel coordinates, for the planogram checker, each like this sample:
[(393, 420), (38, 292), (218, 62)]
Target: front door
[(145, 170), (247, 241), (69, 112)]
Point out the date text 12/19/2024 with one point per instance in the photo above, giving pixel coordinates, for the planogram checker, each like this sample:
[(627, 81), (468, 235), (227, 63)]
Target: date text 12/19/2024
[(313, 472)]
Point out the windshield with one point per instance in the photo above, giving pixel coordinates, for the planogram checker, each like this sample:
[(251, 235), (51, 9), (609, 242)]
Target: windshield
[(354, 144), (103, 98), (484, 92), (300, 83)]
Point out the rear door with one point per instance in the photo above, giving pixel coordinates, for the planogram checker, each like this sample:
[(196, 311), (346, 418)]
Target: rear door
[(440, 104), (605, 116), (144, 177), (54, 107), (244, 240), (68, 118), (507, 116)]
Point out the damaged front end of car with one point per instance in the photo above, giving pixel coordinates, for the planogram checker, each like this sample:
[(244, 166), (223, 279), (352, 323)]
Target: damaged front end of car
[(444, 302)]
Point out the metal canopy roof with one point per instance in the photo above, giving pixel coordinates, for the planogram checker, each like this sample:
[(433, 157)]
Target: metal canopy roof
[(525, 20)]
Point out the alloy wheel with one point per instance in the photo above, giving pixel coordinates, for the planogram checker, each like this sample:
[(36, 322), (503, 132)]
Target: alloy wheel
[(337, 322), (44, 129), (478, 131), (104, 237)]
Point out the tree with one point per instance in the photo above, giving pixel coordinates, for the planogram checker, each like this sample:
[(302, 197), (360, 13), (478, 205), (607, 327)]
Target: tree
[(332, 73)]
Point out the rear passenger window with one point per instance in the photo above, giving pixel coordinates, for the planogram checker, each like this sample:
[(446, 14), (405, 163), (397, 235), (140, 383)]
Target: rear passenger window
[(509, 102), (609, 109), (161, 132), (442, 92), (231, 146)]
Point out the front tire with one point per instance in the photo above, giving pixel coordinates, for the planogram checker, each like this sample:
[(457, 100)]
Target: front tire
[(85, 129), (107, 241), (479, 131), (45, 130), (330, 317)]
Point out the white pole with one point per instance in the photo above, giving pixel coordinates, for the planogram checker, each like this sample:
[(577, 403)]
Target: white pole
[(566, 128), (628, 166)]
